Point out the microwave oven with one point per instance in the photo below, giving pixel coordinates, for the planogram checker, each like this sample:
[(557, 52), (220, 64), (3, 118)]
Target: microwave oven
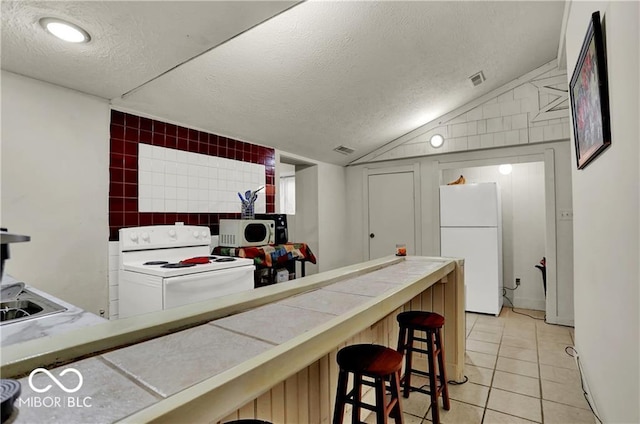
[(246, 232)]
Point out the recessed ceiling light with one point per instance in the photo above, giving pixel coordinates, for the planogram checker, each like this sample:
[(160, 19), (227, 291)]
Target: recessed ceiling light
[(436, 140), (65, 30), (505, 169)]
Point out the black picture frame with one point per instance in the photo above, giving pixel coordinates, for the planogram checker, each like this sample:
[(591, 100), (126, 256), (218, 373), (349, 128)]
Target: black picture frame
[(589, 92)]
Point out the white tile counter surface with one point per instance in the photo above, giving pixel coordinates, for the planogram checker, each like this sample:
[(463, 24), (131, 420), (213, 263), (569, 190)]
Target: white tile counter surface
[(128, 379), (106, 395), (48, 325), (172, 363)]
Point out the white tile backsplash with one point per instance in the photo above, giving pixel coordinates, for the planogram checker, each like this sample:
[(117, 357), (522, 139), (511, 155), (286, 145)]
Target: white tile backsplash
[(177, 181), (114, 264), (113, 293)]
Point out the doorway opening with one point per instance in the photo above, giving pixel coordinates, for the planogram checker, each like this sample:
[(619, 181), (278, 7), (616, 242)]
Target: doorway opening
[(288, 167), (297, 197), (559, 297), (522, 189)]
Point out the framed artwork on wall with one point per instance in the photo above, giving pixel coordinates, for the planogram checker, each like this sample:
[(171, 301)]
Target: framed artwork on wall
[(589, 93)]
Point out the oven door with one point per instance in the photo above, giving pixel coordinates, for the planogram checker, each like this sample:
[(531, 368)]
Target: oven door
[(186, 289)]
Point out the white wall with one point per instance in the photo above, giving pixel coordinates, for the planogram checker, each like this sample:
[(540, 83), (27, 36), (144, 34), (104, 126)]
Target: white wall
[(306, 225), (561, 310), (523, 226), (320, 219), (332, 215), (55, 182), (606, 223)]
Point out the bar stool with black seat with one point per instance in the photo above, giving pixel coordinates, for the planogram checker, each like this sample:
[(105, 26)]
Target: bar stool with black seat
[(431, 324), (379, 363)]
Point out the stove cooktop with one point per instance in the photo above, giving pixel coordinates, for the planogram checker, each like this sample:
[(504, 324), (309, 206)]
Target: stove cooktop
[(171, 267)]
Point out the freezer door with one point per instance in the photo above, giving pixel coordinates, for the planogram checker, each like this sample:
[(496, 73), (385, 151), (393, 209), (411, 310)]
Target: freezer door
[(469, 205), (193, 288), (480, 249)]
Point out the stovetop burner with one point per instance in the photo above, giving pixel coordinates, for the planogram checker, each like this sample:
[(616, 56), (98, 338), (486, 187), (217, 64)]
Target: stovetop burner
[(156, 263), (225, 259), (178, 265)]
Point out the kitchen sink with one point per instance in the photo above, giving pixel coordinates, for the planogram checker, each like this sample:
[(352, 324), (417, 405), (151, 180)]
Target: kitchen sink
[(27, 305)]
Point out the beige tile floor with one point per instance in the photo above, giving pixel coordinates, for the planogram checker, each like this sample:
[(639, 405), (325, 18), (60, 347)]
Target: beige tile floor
[(518, 373)]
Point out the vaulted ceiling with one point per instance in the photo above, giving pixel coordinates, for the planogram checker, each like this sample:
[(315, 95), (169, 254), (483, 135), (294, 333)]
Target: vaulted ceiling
[(301, 77)]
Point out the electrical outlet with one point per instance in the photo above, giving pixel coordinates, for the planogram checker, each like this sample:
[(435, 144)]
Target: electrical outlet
[(102, 311), (566, 215), (517, 282)]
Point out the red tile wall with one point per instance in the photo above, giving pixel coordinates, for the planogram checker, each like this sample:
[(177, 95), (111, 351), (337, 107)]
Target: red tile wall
[(127, 131)]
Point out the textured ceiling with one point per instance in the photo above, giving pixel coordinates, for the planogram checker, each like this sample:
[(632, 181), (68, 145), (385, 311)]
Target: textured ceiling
[(319, 75), (132, 41)]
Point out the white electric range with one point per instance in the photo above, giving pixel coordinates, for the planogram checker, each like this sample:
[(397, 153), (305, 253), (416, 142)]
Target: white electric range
[(165, 266)]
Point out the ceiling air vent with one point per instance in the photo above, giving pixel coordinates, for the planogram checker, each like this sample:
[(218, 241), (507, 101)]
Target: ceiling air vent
[(344, 150), (477, 79)]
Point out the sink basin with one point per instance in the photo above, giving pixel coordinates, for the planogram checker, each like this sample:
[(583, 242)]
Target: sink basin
[(27, 305), (18, 309)]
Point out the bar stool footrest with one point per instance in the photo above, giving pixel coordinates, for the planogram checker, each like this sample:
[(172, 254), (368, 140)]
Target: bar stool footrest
[(350, 398), (361, 404), (426, 352), (422, 373)]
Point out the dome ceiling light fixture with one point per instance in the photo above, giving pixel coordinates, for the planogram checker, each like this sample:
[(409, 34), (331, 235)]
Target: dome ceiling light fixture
[(436, 141), (64, 30), (505, 169)]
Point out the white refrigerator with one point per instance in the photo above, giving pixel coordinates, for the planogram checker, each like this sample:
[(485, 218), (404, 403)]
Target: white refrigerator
[(471, 228)]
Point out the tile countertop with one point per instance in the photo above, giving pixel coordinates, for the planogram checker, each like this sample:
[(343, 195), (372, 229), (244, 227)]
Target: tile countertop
[(121, 383), (48, 325)]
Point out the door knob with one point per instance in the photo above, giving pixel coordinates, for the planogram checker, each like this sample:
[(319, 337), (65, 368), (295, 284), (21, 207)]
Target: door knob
[(372, 235)]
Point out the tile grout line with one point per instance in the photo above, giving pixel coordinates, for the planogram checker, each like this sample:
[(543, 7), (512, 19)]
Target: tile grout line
[(538, 338), (493, 379), (493, 376), (130, 377), (539, 376)]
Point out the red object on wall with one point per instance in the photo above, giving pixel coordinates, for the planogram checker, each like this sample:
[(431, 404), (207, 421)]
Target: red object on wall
[(127, 131)]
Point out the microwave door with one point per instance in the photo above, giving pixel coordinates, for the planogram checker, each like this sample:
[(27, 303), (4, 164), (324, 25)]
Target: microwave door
[(255, 233)]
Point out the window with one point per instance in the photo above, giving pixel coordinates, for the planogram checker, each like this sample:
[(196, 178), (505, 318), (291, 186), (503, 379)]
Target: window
[(288, 194)]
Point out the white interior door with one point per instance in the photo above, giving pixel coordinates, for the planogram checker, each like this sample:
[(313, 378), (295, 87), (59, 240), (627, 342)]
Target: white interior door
[(391, 213)]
